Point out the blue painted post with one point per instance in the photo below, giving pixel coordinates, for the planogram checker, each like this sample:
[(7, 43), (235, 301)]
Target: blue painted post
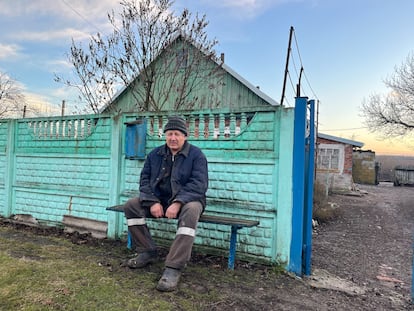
[(129, 241), (310, 175), (232, 252), (298, 191)]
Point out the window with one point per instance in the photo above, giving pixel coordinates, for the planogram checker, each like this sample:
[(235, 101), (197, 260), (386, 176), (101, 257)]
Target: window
[(330, 157)]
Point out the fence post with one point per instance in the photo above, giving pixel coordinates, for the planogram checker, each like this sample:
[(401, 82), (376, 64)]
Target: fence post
[(10, 167), (412, 277), (114, 219), (298, 190), (310, 176)]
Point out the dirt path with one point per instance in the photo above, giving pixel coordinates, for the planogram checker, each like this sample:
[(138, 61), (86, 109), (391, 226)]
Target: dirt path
[(361, 261), (370, 245)]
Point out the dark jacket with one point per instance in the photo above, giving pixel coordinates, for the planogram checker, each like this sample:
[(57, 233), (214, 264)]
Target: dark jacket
[(189, 175)]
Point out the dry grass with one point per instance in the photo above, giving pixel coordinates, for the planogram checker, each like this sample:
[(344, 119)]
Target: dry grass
[(323, 210), (53, 272)]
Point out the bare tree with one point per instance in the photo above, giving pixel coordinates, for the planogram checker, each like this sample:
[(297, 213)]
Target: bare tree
[(393, 114), (145, 31), (12, 100)]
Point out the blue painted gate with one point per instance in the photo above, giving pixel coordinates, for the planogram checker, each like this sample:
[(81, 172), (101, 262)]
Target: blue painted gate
[(303, 179)]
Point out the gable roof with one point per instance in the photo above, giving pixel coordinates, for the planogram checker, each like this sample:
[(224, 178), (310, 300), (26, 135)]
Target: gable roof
[(226, 68), (341, 140), (250, 86)]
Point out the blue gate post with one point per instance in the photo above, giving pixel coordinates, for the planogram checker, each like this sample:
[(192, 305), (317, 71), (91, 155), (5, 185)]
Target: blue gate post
[(310, 175), (298, 191), (412, 278)]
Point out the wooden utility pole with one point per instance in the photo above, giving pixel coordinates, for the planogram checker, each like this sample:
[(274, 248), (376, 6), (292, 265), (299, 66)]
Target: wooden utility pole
[(298, 85), (63, 108), (287, 65)]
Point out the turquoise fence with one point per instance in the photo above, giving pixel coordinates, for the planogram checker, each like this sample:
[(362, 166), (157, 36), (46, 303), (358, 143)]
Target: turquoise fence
[(76, 165)]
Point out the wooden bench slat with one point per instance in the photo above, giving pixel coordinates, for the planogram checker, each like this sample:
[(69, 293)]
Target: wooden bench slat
[(116, 208), (228, 221)]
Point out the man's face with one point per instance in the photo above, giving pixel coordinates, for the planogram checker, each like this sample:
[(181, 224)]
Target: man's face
[(175, 140)]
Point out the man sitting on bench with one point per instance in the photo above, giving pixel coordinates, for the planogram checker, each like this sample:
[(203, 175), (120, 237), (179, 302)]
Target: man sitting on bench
[(173, 184)]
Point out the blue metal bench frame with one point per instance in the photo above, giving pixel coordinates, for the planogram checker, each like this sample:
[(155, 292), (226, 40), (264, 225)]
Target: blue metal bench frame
[(235, 224)]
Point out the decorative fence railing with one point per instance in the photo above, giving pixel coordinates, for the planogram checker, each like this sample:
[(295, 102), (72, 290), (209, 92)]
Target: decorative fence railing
[(76, 127), (205, 125)]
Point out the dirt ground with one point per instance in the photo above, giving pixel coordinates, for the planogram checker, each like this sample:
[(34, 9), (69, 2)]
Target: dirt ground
[(361, 260), (370, 247)]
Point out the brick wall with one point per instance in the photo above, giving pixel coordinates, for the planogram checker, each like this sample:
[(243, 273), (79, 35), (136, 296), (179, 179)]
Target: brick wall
[(347, 168), (337, 180)]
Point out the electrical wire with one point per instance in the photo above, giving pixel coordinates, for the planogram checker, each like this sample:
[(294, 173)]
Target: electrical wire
[(303, 71), (80, 15), (348, 129), (291, 82)]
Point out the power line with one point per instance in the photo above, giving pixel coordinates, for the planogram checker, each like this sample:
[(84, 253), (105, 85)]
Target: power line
[(297, 47), (294, 67), (348, 129), (291, 82), (302, 70), (80, 15), (307, 81)]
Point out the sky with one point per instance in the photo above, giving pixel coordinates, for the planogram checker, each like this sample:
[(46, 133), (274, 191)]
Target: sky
[(347, 48)]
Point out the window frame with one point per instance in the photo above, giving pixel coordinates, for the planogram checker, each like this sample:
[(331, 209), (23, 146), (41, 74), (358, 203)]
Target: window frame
[(322, 152)]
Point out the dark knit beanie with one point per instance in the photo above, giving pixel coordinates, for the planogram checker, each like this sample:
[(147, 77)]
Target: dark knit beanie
[(176, 123)]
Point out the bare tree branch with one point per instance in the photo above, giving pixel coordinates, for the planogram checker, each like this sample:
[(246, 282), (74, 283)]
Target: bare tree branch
[(393, 115), (141, 34), (12, 100)]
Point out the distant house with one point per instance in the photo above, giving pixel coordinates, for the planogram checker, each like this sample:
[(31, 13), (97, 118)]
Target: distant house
[(334, 162)]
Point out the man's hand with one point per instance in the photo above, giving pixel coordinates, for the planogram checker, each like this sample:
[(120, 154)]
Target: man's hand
[(173, 210), (156, 210)]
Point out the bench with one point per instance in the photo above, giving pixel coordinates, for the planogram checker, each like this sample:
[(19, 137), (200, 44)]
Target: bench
[(235, 224)]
